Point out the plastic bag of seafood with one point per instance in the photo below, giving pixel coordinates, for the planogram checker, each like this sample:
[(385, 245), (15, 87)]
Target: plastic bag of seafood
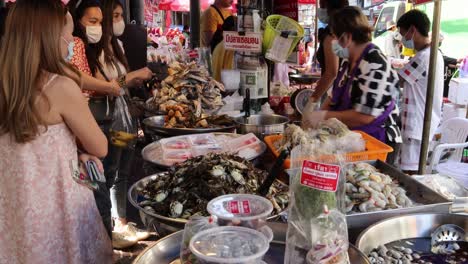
[(246, 210), (331, 246), (316, 225), (194, 225), (123, 129)]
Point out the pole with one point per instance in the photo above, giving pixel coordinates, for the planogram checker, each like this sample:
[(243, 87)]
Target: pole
[(430, 87), (316, 26), (195, 23)]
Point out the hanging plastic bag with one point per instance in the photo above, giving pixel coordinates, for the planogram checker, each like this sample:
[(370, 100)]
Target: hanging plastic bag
[(193, 226), (123, 130), (317, 199), (464, 68)]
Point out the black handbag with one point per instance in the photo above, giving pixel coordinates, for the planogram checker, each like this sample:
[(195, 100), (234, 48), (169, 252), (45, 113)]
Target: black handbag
[(102, 109)]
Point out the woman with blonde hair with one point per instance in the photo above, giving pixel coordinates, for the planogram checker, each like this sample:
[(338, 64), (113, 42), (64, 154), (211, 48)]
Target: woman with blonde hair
[(45, 216)]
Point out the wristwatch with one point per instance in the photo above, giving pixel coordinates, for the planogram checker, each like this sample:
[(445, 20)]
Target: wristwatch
[(121, 81)]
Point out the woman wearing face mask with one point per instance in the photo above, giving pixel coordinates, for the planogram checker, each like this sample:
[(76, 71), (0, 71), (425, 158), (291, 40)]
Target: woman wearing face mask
[(110, 64), (363, 94), (77, 57), (45, 216), (328, 60)]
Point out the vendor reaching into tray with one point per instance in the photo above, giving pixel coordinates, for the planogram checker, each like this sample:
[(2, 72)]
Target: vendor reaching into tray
[(363, 94)]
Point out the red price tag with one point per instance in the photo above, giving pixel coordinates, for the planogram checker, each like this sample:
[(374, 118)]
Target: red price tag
[(239, 207), (320, 176), (246, 207), (234, 207)]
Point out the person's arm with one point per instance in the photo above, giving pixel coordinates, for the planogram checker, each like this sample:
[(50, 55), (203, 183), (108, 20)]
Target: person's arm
[(351, 118), (326, 104), (75, 112), (331, 70), (209, 25), (131, 79)]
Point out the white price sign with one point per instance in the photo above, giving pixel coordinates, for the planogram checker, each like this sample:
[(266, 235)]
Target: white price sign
[(250, 42)]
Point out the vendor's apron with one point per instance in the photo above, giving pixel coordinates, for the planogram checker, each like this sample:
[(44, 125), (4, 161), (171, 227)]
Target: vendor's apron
[(341, 100)]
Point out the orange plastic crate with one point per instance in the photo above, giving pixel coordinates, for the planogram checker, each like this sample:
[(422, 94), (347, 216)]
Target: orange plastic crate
[(375, 149)]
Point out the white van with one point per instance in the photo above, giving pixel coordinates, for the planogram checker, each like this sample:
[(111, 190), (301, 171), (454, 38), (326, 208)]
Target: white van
[(391, 11)]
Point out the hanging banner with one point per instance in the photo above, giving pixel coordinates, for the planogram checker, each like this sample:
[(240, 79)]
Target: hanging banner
[(286, 8), (250, 42), (418, 2), (149, 11)]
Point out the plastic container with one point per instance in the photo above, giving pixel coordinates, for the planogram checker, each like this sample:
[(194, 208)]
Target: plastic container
[(177, 155), (202, 140), (243, 141), (275, 29), (175, 143), (229, 244), (257, 21), (244, 210), (375, 149)]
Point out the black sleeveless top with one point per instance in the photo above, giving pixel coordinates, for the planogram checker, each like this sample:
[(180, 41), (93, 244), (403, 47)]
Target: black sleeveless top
[(320, 51)]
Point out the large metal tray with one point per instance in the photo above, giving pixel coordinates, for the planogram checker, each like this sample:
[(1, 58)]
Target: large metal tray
[(406, 227), (429, 201), (167, 249), (161, 224), (156, 124), (160, 162)]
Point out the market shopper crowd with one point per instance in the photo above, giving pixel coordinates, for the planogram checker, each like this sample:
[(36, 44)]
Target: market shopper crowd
[(60, 76)]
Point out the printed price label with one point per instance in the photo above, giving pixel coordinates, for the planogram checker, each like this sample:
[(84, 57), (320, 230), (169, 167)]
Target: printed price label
[(239, 207), (320, 176)]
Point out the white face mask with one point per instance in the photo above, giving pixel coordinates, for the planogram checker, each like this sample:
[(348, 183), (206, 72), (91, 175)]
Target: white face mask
[(94, 34), (339, 50), (119, 28)]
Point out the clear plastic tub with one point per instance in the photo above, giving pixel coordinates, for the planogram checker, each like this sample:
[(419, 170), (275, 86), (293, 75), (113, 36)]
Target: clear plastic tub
[(244, 210), (175, 143), (229, 244), (202, 140), (177, 154), (243, 141)]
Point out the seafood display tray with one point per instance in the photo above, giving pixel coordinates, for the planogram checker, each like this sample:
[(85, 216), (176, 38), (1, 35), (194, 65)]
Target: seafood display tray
[(406, 227), (163, 225), (166, 250), (427, 201), (145, 153), (156, 125)]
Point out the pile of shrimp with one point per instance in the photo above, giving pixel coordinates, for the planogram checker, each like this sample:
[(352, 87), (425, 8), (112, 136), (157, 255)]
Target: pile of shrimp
[(368, 190)]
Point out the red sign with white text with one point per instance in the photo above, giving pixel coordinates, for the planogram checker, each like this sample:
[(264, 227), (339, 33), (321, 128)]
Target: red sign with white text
[(249, 42), (418, 2), (320, 176), (239, 207), (286, 8)]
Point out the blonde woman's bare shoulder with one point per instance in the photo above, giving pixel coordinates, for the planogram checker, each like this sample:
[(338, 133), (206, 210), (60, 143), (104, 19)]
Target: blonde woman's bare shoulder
[(63, 90)]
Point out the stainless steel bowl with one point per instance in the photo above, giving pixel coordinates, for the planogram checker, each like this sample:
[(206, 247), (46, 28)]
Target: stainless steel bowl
[(261, 125), (167, 249), (156, 125), (161, 224), (405, 227)]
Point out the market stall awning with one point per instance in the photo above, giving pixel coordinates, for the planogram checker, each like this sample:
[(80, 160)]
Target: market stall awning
[(306, 2), (184, 5)]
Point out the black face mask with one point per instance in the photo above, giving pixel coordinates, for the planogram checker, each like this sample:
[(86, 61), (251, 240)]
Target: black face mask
[(440, 44)]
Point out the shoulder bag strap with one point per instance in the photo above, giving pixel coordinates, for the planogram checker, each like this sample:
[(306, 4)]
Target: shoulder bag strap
[(219, 12)]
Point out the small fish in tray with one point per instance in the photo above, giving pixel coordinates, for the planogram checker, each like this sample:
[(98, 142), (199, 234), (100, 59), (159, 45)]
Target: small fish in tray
[(190, 185)]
